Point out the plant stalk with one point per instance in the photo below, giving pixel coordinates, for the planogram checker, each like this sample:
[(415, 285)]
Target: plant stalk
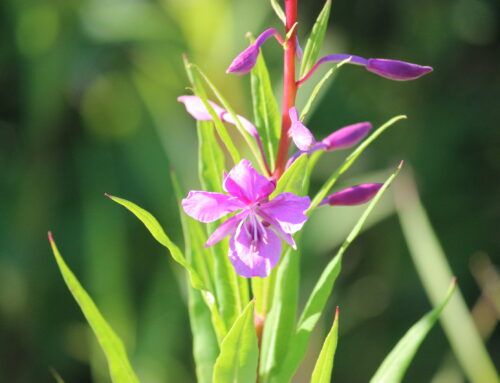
[(289, 86)]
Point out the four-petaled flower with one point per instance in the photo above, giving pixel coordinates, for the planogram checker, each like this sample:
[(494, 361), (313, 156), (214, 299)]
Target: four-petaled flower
[(255, 244)]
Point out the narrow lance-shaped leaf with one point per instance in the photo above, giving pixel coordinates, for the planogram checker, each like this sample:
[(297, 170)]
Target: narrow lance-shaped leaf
[(119, 365), (315, 41), (349, 161), (324, 365), (396, 363), (211, 158), (265, 107), (199, 90), (317, 88), (238, 358), (278, 10), (322, 290)]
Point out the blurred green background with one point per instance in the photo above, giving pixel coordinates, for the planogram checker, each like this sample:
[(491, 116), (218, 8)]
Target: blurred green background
[(88, 105)]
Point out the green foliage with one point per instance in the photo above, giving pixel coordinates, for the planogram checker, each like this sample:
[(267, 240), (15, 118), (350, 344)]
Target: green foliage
[(324, 365), (315, 41), (119, 366), (238, 358), (397, 362), (321, 292), (265, 109)]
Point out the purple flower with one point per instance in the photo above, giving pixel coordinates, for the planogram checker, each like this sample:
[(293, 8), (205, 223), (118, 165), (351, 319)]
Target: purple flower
[(245, 61), (354, 195), (255, 244), (391, 69)]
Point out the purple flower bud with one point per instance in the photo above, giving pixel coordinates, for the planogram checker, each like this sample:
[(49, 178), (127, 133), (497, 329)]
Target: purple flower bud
[(397, 70), (347, 136), (245, 61), (354, 195)]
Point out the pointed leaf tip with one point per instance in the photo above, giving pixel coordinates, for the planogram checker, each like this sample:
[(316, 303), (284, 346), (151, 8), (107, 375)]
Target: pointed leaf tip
[(51, 238)]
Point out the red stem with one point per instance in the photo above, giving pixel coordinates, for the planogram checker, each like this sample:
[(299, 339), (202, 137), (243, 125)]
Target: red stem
[(289, 88)]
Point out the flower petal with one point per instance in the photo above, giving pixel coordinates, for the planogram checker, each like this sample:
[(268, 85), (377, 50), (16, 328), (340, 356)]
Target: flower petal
[(245, 61), (209, 207), (249, 127), (197, 109), (254, 258), (244, 182), (225, 229), (301, 136), (347, 136), (397, 70), (288, 210)]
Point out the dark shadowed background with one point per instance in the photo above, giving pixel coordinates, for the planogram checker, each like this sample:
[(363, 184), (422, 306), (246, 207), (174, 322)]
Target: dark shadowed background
[(88, 105)]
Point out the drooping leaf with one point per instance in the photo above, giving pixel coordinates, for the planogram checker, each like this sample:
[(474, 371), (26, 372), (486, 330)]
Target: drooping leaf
[(158, 233), (317, 88), (322, 291), (351, 158), (315, 41), (324, 365), (119, 366), (397, 362), (238, 358), (265, 109)]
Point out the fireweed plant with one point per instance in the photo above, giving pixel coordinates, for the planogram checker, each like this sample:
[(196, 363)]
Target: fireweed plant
[(243, 229)]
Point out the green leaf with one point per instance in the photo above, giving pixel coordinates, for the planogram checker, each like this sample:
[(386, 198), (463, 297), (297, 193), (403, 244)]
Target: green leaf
[(351, 158), (238, 358), (322, 290), (278, 10), (277, 337), (396, 363), (315, 41), (322, 372), (158, 233), (265, 109), (200, 91), (119, 365), (294, 178), (211, 159), (252, 144), (205, 345), (319, 85)]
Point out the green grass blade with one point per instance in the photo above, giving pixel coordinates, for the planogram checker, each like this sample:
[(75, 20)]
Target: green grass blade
[(397, 362), (322, 372), (119, 365), (317, 88), (278, 10), (349, 161), (315, 41), (265, 109), (238, 358), (322, 290), (158, 233), (434, 272)]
